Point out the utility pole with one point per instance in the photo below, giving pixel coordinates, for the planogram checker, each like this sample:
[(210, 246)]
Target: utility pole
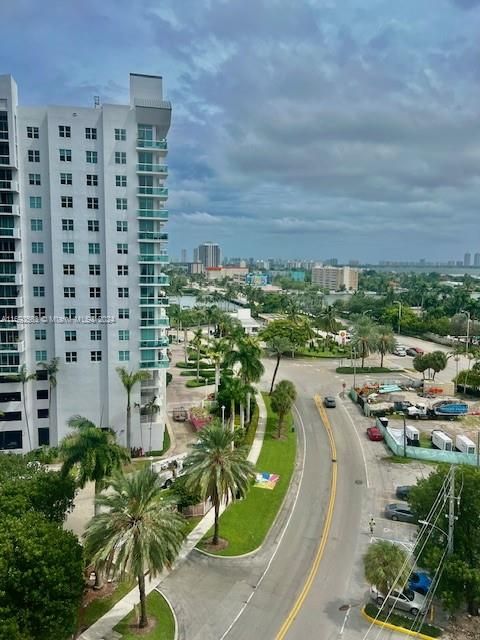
[(451, 512), (404, 436)]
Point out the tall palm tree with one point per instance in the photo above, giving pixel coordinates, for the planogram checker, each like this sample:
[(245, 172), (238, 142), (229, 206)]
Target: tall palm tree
[(277, 347), (151, 408), (385, 340), (129, 379), (211, 315), (363, 338), (217, 471), (386, 565), (236, 391), (24, 378), (216, 354), (197, 342), (52, 369), (138, 530), (282, 400), (248, 355)]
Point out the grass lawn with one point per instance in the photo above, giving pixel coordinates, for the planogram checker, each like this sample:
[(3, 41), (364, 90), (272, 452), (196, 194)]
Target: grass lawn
[(157, 608), (367, 370), (246, 522), (97, 608), (402, 621)]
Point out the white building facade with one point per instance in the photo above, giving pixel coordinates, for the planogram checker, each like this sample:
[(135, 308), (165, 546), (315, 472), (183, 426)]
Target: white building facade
[(82, 251), (335, 278)]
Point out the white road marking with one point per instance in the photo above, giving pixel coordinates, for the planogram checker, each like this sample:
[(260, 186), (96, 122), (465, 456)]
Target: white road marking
[(342, 629), (360, 443)]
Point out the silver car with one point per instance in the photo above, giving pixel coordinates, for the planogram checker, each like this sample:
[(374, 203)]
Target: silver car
[(407, 600), (399, 511)]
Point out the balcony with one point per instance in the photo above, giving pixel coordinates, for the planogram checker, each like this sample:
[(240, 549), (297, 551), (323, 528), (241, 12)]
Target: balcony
[(8, 185), (155, 322), (163, 280), (149, 302), (152, 214), (12, 346), (9, 232), (151, 344), (11, 278), (153, 236), (11, 302), (158, 192), (152, 258), (9, 368), (10, 256), (161, 145), (11, 209), (152, 168), (155, 364)]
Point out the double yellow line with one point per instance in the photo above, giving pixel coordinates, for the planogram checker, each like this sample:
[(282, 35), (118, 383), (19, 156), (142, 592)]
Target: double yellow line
[(326, 527)]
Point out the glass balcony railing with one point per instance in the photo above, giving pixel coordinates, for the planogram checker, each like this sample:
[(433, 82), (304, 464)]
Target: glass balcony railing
[(9, 232), (11, 346), (153, 258), (165, 280), (155, 214), (163, 302), (152, 235), (159, 192), (152, 168), (151, 344), (154, 322), (155, 364), (152, 144)]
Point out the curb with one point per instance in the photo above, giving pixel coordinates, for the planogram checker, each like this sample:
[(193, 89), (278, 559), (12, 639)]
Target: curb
[(175, 635), (393, 627)]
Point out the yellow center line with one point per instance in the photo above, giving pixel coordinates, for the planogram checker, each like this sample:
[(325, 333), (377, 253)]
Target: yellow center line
[(326, 527)]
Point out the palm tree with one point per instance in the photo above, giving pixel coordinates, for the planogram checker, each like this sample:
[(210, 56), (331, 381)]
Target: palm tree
[(52, 369), (235, 391), (217, 471), (129, 379), (24, 377), (278, 346), (281, 402), (363, 338), (386, 566), (385, 341), (138, 530), (216, 354), (211, 315), (248, 356), (196, 343), (151, 408)]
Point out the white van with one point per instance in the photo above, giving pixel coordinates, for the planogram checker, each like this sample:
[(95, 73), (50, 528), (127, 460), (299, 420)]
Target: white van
[(441, 440), (464, 444), (169, 469)]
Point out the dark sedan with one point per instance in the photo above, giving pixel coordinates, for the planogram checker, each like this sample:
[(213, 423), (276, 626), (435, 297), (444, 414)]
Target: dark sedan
[(329, 402), (403, 492)]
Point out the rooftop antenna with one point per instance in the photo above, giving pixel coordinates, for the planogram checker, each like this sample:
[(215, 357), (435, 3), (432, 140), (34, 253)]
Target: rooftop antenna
[(96, 101)]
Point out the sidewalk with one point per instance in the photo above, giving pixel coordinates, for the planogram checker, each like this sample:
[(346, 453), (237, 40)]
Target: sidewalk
[(102, 629)]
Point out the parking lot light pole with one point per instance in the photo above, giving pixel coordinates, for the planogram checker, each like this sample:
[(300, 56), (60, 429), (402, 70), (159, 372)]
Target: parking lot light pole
[(223, 416), (399, 314)]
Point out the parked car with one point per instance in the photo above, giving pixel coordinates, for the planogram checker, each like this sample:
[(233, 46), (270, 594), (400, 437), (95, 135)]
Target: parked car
[(407, 600), (399, 511), (414, 351), (400, 351), (420, 582), (329, 402), (403, 491), (374, 434)]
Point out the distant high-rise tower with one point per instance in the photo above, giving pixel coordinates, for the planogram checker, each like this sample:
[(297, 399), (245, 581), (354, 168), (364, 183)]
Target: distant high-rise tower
[(467, 258), (209, 254), (476, 260), (183, 256)]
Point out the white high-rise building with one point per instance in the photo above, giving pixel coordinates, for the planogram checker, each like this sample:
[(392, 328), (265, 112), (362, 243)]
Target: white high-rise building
[(208, 254), (82, 247)]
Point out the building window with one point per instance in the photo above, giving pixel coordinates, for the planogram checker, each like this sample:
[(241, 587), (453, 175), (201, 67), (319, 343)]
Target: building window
[(122, 204), (70, 356), (37, 247), (41, 356), (35, 202), (11, 439), (33, 132), (124, 334), (93, 269), (123, 292), (34, 179), (38, 269), (124, 356), (120, 181), (66, 202), (67, 224), (40, 334), (95, 356), (33, 155), (123, 314), (122, 248), (36, 224), (91, 157), (93, 225), (93, 248), (68, 269), (92, 203), (92, 180), (39, 312), (120, 157), (90, 133), (68, 247), (70, 313), (122, 225), (42, 394), (70, 336), (94, 292), (66, 178), (95, 313), (96, 334), (42, 413), (120, 135), (69, 292), (65, 155), (122, 269), (38, 292), (64, 131)]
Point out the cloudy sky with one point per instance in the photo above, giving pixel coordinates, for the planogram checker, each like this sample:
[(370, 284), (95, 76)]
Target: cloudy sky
[(301, 128)]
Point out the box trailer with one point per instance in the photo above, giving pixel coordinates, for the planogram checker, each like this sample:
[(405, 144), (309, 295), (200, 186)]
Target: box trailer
[(464, 444), (413, 435), (441, 440)]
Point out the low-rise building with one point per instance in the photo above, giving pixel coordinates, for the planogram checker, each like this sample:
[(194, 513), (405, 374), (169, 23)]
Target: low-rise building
[(237, 274), (335, 278)]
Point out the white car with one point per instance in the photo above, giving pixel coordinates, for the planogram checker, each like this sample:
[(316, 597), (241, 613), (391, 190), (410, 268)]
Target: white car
[(400, 350)]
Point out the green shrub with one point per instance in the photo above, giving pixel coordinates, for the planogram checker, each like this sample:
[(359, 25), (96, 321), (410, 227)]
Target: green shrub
[(401, 621), (45, 455)]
